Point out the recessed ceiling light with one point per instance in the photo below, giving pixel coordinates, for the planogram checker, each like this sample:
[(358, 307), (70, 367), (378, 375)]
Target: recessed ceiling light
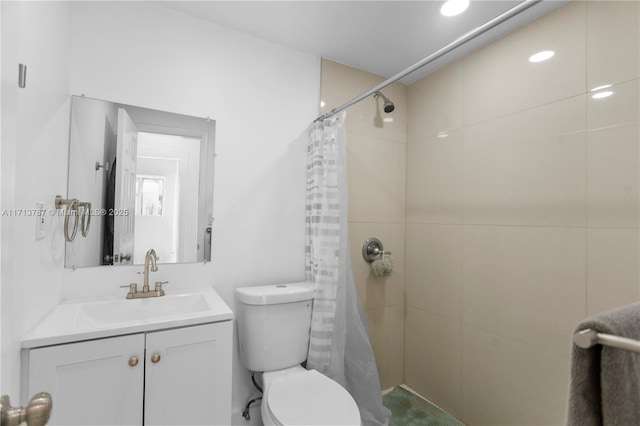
[(454, 7), (443, 135), (601, 95), (542, 56), (605, 86)]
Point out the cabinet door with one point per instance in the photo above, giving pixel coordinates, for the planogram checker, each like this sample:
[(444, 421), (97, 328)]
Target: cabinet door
[(190, 383), (91, 382)]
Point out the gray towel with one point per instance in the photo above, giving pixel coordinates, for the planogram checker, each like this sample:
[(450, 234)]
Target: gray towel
[(605, 381)]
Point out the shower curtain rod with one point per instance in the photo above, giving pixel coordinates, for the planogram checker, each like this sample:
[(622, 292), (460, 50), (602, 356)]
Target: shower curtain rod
[(521, 7)]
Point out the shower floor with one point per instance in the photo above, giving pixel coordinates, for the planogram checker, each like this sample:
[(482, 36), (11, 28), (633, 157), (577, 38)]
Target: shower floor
[(409, 409)]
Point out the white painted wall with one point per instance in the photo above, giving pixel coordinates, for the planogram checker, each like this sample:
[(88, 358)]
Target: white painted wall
[(261, 95), (35, 127)]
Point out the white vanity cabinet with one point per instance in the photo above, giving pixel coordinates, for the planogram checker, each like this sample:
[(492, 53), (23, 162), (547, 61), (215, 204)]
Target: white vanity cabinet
[(90, 382), (190, 384), (179, 376)]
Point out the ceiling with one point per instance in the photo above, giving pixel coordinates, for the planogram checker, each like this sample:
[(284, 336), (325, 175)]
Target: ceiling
[(381, 37)]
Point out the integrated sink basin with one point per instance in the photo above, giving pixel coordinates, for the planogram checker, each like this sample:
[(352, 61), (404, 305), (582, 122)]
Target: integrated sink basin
[(77, 320), (154, 308)]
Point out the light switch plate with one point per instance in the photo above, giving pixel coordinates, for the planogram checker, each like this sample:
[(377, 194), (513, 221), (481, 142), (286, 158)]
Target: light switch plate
[(41, 221)]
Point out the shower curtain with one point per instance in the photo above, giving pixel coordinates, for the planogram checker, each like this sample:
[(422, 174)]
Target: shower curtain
[(339, 346)]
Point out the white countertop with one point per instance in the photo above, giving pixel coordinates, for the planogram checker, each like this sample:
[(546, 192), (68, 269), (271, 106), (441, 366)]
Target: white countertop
[(84, 319)]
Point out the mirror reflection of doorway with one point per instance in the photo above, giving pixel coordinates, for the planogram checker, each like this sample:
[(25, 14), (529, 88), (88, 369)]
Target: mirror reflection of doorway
[(167, 197)]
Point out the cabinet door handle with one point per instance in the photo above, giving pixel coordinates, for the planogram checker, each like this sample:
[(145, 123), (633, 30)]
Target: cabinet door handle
[(155, 358), (133, 361)]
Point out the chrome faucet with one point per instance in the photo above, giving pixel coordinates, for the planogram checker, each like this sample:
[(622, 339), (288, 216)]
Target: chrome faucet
[(150, 265), (150, 259)]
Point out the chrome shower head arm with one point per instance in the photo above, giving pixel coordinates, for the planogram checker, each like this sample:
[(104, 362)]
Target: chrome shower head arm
[(388, 105)]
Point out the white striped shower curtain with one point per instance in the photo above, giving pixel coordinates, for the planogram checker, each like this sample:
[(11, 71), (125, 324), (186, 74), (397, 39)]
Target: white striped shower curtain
[(339, 345)]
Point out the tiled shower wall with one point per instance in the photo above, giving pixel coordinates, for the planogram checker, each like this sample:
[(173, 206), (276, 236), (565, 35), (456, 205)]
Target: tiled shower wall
[(522, 212), (376, 166)]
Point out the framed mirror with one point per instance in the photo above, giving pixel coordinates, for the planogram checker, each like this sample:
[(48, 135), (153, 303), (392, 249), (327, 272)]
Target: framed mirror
[(148, 175)]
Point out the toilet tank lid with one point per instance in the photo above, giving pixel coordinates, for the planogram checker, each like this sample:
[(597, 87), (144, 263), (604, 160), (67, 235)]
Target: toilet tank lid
[(273, 294)]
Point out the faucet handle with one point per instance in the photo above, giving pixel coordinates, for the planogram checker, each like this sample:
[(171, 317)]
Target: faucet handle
[(159, 284), (158, 289), (133, 288)]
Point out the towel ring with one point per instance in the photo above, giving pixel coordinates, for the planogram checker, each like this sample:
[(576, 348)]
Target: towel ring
[(86, 214), (71, 207)]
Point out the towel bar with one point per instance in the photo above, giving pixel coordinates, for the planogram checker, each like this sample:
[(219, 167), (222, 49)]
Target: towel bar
[(587, 338)]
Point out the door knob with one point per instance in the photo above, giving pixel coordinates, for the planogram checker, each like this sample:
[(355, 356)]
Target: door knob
[(37, 413), (133, 361), (155, 358)]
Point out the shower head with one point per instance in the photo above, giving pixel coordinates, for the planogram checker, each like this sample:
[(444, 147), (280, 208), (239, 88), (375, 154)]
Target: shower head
[(388, 105)]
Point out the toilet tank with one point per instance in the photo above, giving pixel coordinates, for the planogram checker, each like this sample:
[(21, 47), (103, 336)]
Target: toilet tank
[(273, 325)]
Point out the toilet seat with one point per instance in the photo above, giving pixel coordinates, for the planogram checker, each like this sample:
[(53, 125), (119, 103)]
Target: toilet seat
[(310, 398)]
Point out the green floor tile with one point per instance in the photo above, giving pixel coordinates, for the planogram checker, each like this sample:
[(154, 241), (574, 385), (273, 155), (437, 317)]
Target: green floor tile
[(408, 409)]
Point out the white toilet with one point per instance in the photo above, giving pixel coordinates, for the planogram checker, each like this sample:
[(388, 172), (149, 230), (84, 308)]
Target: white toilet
[(273, 334)]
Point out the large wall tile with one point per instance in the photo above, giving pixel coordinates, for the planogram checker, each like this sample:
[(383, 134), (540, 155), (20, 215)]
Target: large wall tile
[(435, 103), (525, 283), (499, 79), (621, 108), (612, 158), (396, 281), (396, 339), (527, 168), (386, 333), (612, 269), (613, 42), (434, 269), (433, 358), (434, 179), (510, 383), (341, 83), (612, 177), (378, 336), (376, 174)]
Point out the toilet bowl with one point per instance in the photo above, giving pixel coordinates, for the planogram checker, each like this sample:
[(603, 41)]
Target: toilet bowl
[(273, 338), (296, 396)]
